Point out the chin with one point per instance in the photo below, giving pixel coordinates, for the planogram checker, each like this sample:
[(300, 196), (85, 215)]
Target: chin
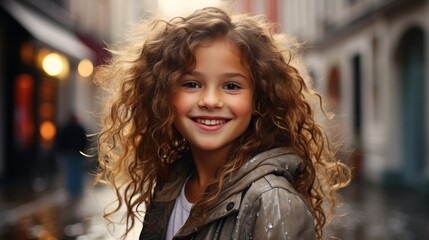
[(208, 147)]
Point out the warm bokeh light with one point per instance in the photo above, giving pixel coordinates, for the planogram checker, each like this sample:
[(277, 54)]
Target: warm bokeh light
[(26, 52), (47, 130), (46, 110), (41, 54), (23, 111), (85, 68), (52, 64)]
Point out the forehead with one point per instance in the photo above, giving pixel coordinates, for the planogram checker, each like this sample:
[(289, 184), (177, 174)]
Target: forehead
[(220, 55), (218, 51)]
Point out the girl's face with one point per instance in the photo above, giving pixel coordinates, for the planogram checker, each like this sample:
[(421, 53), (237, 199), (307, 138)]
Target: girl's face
[(213, 102)]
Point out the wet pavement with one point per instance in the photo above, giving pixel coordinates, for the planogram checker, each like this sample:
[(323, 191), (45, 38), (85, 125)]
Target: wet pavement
[(51, 215), (369, 213), (372, 212)]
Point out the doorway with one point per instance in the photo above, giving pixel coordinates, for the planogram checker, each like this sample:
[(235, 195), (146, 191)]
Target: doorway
[(410, 63)]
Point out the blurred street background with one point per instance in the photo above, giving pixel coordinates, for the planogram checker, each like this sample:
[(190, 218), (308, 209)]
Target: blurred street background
[(368, 58)]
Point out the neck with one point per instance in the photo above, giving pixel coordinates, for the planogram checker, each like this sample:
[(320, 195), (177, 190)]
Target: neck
[(208, 162), (206, 165)]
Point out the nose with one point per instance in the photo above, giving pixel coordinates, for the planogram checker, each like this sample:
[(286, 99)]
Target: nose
[(211, 99)]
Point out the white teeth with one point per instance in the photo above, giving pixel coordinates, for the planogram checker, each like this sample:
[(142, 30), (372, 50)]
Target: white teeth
[(211, 122)]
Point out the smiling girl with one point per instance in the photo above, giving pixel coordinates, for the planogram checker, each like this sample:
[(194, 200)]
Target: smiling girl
[(209, 127)]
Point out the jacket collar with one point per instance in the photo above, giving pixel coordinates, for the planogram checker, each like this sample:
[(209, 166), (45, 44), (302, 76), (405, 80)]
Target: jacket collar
[(279, 161)]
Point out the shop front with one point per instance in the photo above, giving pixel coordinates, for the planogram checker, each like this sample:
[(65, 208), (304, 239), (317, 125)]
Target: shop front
[(39, 59)]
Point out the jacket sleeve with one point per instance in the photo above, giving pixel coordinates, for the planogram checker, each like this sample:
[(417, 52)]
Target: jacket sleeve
[(282, 215)]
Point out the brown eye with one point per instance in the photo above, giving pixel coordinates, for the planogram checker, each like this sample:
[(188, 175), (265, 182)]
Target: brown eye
[(191, 85), (232, 86)]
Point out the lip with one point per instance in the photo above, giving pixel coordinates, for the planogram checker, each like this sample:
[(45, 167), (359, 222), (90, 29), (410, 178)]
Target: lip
[(209, 123)]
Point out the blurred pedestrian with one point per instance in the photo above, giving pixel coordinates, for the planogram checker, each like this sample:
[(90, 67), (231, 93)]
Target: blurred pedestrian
[(71, 142), (212, 129)]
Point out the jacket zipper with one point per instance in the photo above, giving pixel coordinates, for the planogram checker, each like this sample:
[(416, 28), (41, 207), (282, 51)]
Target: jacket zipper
[(218, 228)]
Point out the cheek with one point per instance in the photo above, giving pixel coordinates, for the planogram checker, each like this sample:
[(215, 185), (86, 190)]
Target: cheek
[(180, 103), (244, 107), (175, 100)]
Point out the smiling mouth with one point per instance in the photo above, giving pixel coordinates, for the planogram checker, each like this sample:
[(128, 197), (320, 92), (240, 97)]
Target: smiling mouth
[(210, 122)]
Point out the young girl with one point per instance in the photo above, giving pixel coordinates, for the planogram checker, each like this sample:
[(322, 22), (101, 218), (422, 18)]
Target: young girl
[(210, 130)]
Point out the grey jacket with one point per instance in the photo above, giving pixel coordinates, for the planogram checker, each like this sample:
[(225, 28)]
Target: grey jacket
[(259, 202)]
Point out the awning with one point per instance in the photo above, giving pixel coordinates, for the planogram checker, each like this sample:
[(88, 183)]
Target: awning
[(47, 31)]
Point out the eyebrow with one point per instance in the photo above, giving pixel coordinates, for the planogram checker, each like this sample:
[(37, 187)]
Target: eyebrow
[(223, 75)]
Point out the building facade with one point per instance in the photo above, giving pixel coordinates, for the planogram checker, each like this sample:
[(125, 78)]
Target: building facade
[(369, 58)]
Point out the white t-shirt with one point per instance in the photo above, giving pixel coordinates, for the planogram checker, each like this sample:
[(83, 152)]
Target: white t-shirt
[(179, 215)]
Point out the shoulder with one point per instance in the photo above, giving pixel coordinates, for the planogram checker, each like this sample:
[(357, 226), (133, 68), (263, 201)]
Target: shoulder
[(272, 205), (272, 185)]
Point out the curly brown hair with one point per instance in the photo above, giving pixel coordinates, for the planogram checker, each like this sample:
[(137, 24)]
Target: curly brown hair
[(138, 140)]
